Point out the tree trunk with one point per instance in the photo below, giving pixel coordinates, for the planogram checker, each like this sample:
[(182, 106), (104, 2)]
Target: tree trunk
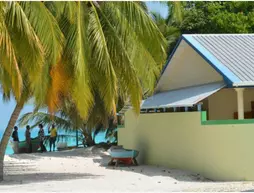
[(89, 140), (7, 134), (93, 140)]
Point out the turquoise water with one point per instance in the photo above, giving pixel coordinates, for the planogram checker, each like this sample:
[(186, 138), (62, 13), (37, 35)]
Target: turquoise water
[(71, 141)]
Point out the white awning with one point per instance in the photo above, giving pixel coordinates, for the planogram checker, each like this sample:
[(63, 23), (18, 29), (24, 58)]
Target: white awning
[(185, 97)]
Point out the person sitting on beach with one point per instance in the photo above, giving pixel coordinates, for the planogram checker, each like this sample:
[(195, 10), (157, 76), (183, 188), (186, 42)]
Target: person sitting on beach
[(28, 139), (15, 138), (41, 138), (52, 139)]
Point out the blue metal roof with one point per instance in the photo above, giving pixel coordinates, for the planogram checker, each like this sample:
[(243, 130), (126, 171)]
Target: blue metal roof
[(232, 55)]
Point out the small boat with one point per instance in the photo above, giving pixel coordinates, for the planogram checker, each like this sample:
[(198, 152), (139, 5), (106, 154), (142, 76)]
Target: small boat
[(121, 155), (23, 145)]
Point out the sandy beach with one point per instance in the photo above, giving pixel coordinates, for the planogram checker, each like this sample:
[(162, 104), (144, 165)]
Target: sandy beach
[(86, 170)]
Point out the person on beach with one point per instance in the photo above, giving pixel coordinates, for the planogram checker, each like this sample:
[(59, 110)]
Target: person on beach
[(52, 139), (41, 138), (28, 139), (15, 138)]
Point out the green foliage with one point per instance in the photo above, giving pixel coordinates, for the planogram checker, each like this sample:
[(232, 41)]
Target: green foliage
[(67, 122), (203, 17), (109, 50), (79, 51), (170, 32), (218, 17), (194, 22), (175, 12)]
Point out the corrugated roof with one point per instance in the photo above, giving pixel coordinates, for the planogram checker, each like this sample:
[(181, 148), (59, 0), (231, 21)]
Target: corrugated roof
[(182, 97), (234, 51), (127, 106)]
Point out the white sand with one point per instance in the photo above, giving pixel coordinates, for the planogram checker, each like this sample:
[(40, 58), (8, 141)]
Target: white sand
[(86, 170)]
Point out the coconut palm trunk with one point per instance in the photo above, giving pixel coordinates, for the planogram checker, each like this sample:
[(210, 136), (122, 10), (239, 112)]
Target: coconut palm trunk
[(6, 136)]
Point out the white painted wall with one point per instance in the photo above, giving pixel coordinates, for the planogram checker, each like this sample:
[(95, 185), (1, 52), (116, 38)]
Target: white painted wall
[(187, 68)]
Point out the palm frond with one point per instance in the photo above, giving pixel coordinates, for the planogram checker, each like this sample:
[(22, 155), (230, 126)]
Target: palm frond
[(7, 53), (6, 86), (77, 55), (25, 42), (60, 86), (175, 12), (46, 28), (45, 38), (60, 9), (45, 119), (146, 63), (145, 29), (143, 5), (102, 58)]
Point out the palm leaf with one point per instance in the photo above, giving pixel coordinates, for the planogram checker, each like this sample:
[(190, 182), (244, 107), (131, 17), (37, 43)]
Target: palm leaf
[(25, 42), (141, 55), (7, 53), (102, 59), (51, 38), (46, 120), (76, 57), (47, 29), (175, 12)]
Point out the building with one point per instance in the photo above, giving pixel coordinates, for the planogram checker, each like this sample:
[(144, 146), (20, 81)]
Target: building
[(201, 116)]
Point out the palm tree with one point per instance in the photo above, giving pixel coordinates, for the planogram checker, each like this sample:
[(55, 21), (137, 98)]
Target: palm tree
[(77, 51), (24, 44), (68, 120), (170, 32), (61, 121), (106, 42), (175, 13), (170, 26)]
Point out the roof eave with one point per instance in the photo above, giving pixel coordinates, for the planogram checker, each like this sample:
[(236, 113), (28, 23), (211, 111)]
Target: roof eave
[(243, 84)]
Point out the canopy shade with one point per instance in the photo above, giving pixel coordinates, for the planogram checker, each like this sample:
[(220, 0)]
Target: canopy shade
[(185, 97)]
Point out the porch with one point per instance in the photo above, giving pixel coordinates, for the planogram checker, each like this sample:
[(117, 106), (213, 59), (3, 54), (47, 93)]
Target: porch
[(220, 103), (230, 103)]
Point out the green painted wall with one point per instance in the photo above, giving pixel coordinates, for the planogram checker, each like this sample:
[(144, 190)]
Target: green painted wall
[(204, 121), (179, 140)]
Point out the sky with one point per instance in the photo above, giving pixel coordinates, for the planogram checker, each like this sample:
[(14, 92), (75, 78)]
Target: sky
[(6, 108), (157, 7)]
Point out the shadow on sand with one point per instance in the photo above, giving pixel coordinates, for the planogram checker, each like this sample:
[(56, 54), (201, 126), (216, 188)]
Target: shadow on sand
[(14, 179), (27, 172), (152, 171), (25, 169), (11, 167), (80, 152)]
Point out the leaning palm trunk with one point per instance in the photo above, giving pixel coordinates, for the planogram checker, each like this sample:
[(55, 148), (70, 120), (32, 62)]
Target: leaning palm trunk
[(89, 140), (6, 136)]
